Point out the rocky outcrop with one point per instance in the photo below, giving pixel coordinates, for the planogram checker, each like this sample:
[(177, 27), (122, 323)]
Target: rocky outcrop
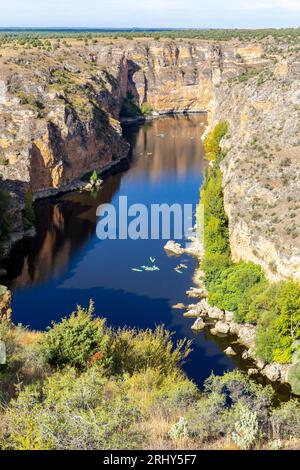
[(221, 323)]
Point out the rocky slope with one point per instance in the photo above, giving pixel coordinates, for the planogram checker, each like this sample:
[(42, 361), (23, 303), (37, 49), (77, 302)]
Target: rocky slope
[(60, 111)]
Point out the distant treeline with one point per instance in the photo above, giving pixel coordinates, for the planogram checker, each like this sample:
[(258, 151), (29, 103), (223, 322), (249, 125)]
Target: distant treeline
[(214, 34)]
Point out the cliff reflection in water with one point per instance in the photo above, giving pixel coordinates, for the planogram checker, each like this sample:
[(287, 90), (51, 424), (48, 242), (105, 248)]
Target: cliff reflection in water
[(63, 226), (167, 146), (171, 144)]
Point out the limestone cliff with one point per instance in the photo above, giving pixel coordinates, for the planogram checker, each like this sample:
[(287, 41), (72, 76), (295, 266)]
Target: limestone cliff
[(60, 112)]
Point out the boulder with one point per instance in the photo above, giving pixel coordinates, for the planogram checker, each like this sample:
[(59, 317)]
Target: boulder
[(173, 248), (229, 316), (215, 313), (245, 355), (246, 334), (229, 351), (260, 364), (195, 292), (71, 68), (192, 313), (222, 327), (179, 306), (272, 372), (252, 371), (198, 325), (195, 248)]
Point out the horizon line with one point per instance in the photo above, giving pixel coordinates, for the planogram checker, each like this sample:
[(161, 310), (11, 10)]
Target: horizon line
[(136, 28)]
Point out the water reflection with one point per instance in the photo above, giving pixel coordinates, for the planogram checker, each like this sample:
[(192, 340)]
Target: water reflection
[(166, 148)]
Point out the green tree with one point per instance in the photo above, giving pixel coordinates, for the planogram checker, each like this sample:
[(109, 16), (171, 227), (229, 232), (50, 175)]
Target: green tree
[(28, 212)]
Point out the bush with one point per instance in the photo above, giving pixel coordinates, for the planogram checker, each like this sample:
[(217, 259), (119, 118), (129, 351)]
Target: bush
[(94, 177), (285, 420), (213, 139), (71, 411), (229, 292), (75, 340), (213, 265), (146, 110), (136, 350), (288, 322), (171, 391), (28, 213), (266, 338), (246, 429), (294, 378)]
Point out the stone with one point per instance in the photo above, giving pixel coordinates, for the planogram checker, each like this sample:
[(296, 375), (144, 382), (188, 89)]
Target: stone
[(194, 248), (215, 313), (173, 248), (229, 351), (272, 372), (245, 355), (193, 313), (179, 306), (71, 68), (229, 316), (260, 364), (246, 333), (198, 325), (252, 371), (222, 327), (195, 292)]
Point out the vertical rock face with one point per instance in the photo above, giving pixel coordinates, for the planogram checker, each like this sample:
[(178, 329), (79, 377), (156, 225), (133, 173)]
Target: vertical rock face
[(60, 114), (261, 171)]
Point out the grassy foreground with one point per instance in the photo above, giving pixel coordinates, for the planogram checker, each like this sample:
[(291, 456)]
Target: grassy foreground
[(82, 385)]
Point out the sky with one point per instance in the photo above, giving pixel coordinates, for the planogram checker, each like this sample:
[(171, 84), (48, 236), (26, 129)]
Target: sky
[(150, 13)]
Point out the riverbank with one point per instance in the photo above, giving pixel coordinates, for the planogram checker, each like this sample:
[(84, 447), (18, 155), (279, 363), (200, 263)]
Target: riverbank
[(220, 322), (241, 301)]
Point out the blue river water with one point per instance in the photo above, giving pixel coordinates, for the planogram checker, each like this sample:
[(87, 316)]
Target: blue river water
[(66, 264)]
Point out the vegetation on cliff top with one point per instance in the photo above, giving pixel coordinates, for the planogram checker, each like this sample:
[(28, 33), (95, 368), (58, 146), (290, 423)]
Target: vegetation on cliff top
[(41, 38), (242, 287), (83, 385)]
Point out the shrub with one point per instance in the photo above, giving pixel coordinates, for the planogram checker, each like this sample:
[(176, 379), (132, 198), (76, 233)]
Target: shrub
[(213, 139), (72, 411), (136, 350), (294, 378), (266, 338), (288, 322), (75, 340), (233, 285), (171, 391), (94, 177), (146, 110), (213, 265), (28, 213), (180, 429), (246, 429), (285, 420)]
